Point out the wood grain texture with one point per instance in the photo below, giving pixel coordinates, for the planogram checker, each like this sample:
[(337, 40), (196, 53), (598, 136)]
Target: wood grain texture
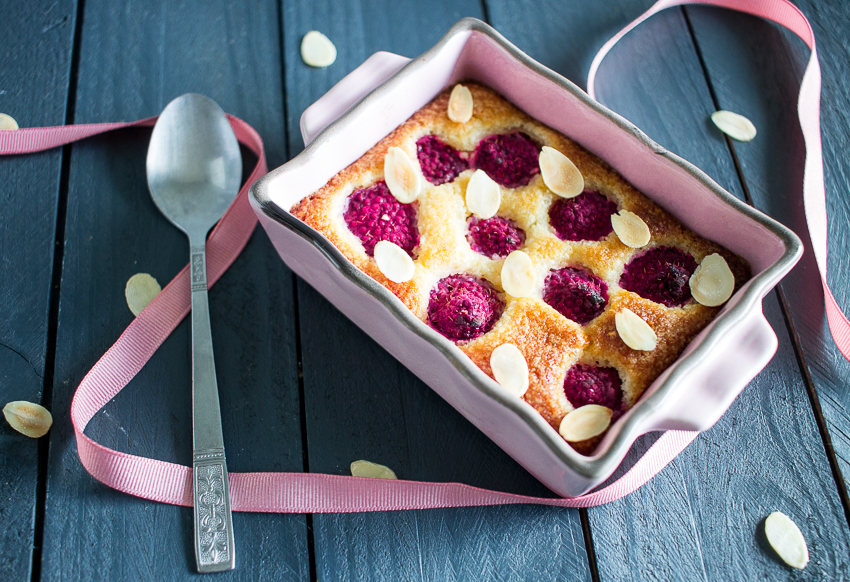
[(365, 405), (34, 67), (701, 517), (755, 69), (134, 59)]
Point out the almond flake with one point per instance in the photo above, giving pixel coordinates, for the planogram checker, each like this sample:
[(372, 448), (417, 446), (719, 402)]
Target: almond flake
[(586, 422), (786, 539), (634, 331), (32, 420), (401, 176), (630, 229), (518, 275), (317, 50), (510, 369), (140, 290), (394, 262), (460, 104), (483, 195), (7, 122), (713, 282), (734, 125), (559, 173), (371, 470)]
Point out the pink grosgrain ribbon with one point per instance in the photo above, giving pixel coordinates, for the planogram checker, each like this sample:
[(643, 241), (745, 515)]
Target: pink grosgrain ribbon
[(316, 493)]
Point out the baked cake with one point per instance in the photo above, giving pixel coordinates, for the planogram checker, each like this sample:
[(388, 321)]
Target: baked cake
[(551, 272)]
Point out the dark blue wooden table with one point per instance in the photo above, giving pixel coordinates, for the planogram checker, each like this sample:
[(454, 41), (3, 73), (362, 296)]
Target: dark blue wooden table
[(302, 389)]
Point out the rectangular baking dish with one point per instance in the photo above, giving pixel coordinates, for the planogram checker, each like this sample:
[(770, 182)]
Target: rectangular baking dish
[(384, 92)]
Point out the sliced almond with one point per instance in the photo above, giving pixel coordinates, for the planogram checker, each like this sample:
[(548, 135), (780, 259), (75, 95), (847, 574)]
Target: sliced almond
[(483, 195), (32, 420), (394, 262), (460, 104), (559, 173), (734, 125), (518, 275), (7, 122), (371, 470), (401, 176), (140, 290), (317, 50), (510, 369), (786, 539), (586, 422), (713, 282), (630, 229), (634, 331)]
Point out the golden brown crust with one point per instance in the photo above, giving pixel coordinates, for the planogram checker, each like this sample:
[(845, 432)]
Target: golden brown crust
[(550, 342)]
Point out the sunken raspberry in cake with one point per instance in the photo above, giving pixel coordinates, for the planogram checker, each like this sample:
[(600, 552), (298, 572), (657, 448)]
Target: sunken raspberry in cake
[(373, 215), (499, 251), (463, 308), (494, 237)]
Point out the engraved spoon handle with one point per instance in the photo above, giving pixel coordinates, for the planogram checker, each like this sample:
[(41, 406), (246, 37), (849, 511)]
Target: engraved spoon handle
[(212, 518)]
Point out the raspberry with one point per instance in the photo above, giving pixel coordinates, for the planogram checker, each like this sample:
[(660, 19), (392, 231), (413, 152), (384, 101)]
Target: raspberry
[(440, 162), (585, 217), (510, 159), (575, 293), (593, 385), (373, 215), (463, 307), (494, 237), (661, 274)]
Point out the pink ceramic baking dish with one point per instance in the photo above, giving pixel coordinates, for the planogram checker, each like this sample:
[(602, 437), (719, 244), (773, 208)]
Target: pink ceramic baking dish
[(381, 94)]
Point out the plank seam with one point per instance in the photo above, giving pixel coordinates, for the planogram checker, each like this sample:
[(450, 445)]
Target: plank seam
[(302, 405), (53, 301), (805, 374), (485, 12), (588, 545), (814, 400)]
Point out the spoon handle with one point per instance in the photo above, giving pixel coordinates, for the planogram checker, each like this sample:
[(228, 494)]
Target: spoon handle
[(214, 548)]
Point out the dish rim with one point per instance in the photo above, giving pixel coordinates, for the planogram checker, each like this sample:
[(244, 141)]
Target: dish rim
[(629, 425)]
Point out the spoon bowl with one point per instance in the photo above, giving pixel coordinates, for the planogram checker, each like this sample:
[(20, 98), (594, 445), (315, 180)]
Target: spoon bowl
[(194, 167), (194, 172)]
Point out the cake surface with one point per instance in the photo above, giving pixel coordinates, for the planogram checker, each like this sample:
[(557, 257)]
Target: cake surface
[(583, 275)]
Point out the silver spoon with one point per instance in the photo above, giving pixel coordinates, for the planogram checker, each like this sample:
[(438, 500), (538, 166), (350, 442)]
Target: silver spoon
[(194, 171)]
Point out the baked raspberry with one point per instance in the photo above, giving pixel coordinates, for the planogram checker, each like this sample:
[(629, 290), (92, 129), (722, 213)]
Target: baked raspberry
[(594, 385), (575, 293), (440, 162), (509, 159), (463, 307), (661, 274), (585, 217), (494, 237), (373, 215)]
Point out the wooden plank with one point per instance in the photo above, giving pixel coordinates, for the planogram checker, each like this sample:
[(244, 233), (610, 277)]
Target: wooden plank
[(366, 405), (700, 518), (755, 68), (231, 53), (36, 62)]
